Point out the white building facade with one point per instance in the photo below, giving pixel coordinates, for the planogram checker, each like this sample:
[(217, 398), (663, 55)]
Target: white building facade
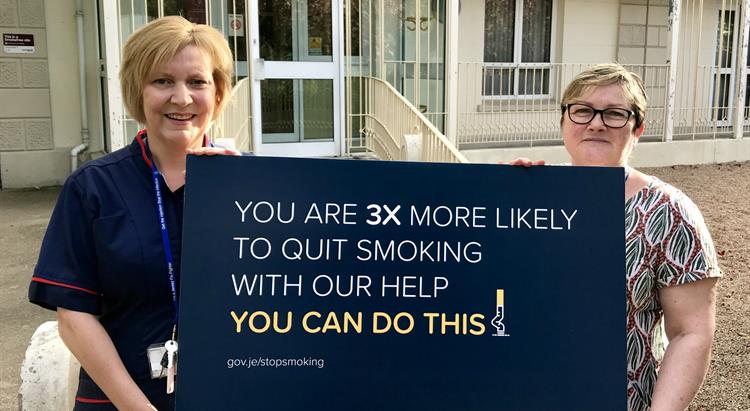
[(430, 80)]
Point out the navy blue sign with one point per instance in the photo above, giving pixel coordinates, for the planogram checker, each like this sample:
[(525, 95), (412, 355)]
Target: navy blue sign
[(366, 285)]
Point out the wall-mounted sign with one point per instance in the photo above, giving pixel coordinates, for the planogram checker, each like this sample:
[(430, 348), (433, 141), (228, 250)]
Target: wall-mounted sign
[(18, 43), (236, 26), (373, 285), (315, 46)]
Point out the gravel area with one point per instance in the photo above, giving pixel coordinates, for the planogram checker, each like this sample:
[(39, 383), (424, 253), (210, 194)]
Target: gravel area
[(722, 192)]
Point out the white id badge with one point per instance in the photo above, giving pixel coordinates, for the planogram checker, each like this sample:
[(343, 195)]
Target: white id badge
[(157, 357)]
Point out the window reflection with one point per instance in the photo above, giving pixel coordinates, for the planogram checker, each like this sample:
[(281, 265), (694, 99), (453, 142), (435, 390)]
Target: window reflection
[(192, 10)]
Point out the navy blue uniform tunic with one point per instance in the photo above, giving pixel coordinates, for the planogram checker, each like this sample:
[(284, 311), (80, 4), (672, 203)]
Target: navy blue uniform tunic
[(103, 254)]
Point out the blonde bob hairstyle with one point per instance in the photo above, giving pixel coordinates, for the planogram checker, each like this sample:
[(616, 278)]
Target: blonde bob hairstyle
[(605, 75), (154, 44)]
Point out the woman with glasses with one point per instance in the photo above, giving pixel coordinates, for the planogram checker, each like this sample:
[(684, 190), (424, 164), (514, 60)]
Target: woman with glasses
[(671, 264)]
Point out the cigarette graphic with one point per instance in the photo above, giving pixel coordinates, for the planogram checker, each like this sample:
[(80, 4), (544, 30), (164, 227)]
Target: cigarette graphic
[(497, 321)]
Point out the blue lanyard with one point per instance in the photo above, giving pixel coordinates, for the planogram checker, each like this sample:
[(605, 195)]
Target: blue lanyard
[(165, 238), (162, 226)]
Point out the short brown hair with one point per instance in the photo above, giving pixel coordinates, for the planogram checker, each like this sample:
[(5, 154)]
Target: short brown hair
[(154, 44), (605, 75)]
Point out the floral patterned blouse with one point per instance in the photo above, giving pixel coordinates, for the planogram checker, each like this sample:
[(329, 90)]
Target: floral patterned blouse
[(666, 244)]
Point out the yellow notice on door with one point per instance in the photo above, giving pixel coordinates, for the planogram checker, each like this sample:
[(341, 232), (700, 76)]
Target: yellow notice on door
[(314, 46)]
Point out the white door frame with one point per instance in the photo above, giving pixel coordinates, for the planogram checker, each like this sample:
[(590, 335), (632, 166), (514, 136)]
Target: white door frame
[(114, 103), (333, 70)]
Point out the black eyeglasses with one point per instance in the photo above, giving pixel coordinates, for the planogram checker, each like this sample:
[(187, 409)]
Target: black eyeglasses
[(611, 117)]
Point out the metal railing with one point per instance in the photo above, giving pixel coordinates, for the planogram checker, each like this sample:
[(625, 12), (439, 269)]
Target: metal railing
[(395, 79), (235, 122), (421, 82), (515, 104), (696, 114), (505, 104), (387, 118)]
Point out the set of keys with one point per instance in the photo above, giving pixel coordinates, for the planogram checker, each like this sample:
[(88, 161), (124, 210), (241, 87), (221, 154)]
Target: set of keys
[(171, 363)]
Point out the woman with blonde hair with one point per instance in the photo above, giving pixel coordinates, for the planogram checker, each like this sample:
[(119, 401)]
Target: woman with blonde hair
[(110, 260)]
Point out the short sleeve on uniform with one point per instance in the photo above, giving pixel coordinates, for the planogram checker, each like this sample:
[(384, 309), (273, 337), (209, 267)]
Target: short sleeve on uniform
[(65, 275), (687, 253)]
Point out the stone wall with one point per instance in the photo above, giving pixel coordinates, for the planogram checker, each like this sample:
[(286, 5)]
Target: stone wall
[(643, 35), (25, 114)]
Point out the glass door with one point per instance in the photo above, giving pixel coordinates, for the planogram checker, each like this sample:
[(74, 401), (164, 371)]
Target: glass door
[(414, 54), (229, 17), (296, 109)]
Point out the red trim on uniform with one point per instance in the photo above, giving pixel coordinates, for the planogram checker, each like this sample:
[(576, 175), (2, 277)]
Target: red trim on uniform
[(45, 281), (139, 138), (92, 400)]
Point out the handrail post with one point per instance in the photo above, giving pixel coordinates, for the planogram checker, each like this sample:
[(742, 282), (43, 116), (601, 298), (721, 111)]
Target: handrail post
[(739, 114), (674, 41), (451, 75)]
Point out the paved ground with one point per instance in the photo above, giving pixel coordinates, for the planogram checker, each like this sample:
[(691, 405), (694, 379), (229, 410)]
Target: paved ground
[(721, 191), (23, 219)]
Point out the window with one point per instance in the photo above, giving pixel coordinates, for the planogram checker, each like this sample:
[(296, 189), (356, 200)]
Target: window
[(517, 38), (724, 68)]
